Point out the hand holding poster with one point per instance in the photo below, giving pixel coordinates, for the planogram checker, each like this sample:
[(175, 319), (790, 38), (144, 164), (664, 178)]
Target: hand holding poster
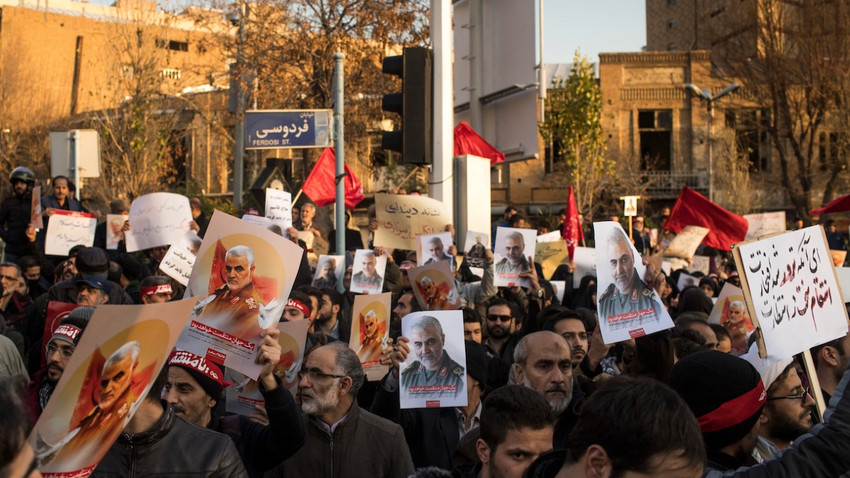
[(368, 273), (434, 286), (401, 218), (67, 229), (106, 378), (514, 254), (157, 219), (433, 374), (36, 210), (794, 296), (370, 329), (627, 307)]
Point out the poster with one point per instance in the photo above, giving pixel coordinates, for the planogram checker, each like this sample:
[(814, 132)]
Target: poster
[(368, 274), (687, 280), (279, 207), (114, 224), (157, 219), (731, 312), (686, 242), (475, 249), (370, 329), (67, 229), (178, 263), (626, 306), (794, 291), (513, 254), (550, 255), (559, 287), (107, 377), (329, 271), (434, 374), (549, 237), (838, 257), (241, 296), (434, 248), (434, 287), (585, 261), (700, 264), (245, 396), (36, 210), (764, 223), (401, 218)]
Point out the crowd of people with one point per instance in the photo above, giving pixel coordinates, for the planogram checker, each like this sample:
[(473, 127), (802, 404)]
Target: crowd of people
[(546, 396)]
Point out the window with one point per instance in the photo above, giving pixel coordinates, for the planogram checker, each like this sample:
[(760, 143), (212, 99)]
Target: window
[(671, 24), (751, 138), (672, 47), (172, 45), (655, 130), (171, 73)]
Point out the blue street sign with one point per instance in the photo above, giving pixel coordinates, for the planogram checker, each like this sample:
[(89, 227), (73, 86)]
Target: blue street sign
[(273, 129)]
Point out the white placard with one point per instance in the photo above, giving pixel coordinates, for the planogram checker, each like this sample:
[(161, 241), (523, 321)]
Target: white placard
[(158, 219), (686, 242), (178, 263), (434, 374), (549, 237), (279, 207), (585, 261), (560, 288), (764, 224), (67, 229)]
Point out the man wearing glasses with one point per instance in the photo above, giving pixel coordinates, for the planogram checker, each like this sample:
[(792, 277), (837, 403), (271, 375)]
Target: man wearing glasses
[(501, 326), (342, 439)]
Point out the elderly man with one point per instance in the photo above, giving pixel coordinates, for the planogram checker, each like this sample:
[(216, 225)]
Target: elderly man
[(368, 277), (372, 345), (627, 293), (436, 251), (235, 307), (435, 299), (514, 261), (342, 439), (434, 366), (92, 291), (736, 324)]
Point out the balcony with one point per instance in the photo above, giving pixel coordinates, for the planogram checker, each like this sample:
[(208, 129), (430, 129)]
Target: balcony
[(667, 184)]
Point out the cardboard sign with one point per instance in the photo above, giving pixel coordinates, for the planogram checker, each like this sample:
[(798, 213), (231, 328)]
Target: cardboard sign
[(279, 207), (792, 291), (434, 375), (764, 224), (550, 255), (686, 242), (67, 229), (157, 219), (401, 218), (370, 329), (178, 263)]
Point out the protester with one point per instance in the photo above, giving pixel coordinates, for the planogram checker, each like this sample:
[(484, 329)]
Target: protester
[(17, 458)]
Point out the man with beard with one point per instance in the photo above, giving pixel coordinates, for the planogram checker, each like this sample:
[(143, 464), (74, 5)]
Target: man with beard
[(627, 294), (342, 439), (58, 352), (501, 329), (435, 299), (434, 366), (92, 291), (329, 321), (736, 324), (514, 262), (15, 228), (371, 346), (543, 362), (436, 251), (406, 304), (369, 277)]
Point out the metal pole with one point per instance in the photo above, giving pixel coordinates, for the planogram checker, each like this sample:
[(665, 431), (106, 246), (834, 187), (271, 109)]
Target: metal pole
[(239, 144), (710, 102), (541, 71), (476, 53), (339, 149), (75, 161), (441, 181)]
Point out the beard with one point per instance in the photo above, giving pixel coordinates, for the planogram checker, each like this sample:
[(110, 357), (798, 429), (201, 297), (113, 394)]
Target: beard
[(558, 405), (498, 331), (789, 429), (317, 405)]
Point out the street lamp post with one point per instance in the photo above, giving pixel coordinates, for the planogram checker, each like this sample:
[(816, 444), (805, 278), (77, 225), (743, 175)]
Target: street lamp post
[(239, 136), (705, 95)]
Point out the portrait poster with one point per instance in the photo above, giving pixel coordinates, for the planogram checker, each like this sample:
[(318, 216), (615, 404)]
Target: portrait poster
[(585, 261), (36, 210), (687, 280), (279, 207), (550, 255), (434, 248), (114, 224), (626, 306), (368, 274), (329, 271), (434, 287), (560, 287), (403, 217), (370, 329), (838, 257), (792, 290), (157, 219), (434, 373), (67, 229), (475, 254), (513, 254), (731, 312), (106, 378), (56, 311), (700, 264), (178, 263), (244, 396), (686, 242), (243, 274), (764, 223)]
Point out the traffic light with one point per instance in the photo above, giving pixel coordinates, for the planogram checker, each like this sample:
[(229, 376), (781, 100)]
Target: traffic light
[(414, 104)]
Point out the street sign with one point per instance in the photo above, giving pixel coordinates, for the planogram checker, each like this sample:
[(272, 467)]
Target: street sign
[(274, 129)]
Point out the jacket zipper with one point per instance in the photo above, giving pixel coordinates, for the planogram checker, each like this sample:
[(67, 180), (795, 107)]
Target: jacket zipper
[(132, 456), (332, 455)]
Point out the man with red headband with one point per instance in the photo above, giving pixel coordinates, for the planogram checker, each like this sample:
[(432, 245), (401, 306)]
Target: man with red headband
[(155, 290), (195, 385)]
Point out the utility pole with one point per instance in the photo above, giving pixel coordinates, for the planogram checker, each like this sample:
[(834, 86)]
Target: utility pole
[(239, 143)]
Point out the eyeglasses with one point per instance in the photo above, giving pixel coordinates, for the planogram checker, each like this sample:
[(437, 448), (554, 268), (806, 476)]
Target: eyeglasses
[(502, 318), (66, 352), (314, 374), (802, 396)]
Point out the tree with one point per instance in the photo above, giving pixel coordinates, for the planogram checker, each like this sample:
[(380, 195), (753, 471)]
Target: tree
[(573, 125)]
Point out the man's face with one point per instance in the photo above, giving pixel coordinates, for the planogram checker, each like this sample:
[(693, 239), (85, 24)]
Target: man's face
[(307, 214), (622, 265), (190, 401), (403, 306), (436, 249), (58, 353), (20, 187), (32, 273), (9, 279), (707, 333), (429, 288), (158, 253), (428, 346), (89, 296), (517, 451), (369, 265), (60, 188), (238, 272), (788, 418), (326, 310), (735, 321), (548, 370), (637, 224), (371, 323), (115, 381), (514, 249), (472, 331), (319, 395), (314, 310), (574, 332), (296, 214), (291, 314), (500, 321)]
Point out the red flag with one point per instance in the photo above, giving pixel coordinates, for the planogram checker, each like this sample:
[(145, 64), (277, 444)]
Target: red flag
[(694, 209), (572, 233), (840, 204), (320, 185), (467, 141)]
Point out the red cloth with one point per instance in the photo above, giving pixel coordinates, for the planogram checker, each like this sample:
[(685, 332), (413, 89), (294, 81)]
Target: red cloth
[(694, 209), (840, 204), (320, 185), (467, 141), (572, 232)]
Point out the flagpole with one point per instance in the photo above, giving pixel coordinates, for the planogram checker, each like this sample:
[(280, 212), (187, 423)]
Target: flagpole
[(339, 151)]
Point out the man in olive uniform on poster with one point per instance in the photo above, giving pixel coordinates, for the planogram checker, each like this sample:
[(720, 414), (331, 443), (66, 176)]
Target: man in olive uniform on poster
[(434, 368), (627, 295)]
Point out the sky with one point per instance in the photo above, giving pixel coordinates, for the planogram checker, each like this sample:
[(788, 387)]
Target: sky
[(592, 26)]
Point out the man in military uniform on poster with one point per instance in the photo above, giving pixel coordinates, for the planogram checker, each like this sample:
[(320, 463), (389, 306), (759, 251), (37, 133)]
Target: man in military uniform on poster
[(627, 293), (434, 366), (235, 307)]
